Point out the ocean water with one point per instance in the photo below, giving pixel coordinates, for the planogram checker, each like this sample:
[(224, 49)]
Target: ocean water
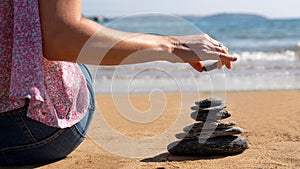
[(268, 52)]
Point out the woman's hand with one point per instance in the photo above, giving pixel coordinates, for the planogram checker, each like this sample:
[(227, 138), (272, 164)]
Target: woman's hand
[(196, 48)]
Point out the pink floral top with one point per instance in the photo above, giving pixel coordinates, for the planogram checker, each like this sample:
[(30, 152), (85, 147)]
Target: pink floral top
[(57, 90)]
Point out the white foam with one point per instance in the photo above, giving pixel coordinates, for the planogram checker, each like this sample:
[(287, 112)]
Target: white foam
[(287, 55), (253, 71)]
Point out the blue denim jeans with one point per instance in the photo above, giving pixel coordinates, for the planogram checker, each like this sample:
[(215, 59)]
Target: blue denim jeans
[(25, 141)]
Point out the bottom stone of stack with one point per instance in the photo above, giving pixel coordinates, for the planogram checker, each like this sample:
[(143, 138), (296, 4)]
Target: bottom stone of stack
[(228, 145)]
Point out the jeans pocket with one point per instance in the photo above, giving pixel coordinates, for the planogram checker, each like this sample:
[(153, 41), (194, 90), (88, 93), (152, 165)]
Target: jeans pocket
[(37, 152)]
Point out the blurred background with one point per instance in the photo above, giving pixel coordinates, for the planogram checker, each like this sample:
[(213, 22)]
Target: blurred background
[(264, 35)]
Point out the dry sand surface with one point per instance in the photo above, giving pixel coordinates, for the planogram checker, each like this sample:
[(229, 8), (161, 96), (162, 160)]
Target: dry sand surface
[(270, 119)]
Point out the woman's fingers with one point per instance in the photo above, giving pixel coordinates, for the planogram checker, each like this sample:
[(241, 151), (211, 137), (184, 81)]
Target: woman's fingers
[(214, 55), (227, 57), (218, 45), (221, 49), (197, 66), (214, 42), (228, 65)]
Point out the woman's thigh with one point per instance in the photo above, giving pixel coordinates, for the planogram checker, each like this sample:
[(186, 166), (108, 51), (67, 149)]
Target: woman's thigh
[(26, 141)]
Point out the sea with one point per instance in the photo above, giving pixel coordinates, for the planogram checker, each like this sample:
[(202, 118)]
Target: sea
[(268, 52)]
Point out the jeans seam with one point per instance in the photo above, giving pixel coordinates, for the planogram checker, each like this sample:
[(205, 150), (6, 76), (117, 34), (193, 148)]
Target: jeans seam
[(4, 156), (28, 131), (87, 70), (81, 131), (92, 103)]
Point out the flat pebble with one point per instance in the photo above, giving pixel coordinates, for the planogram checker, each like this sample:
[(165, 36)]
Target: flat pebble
[(209, 133), (228, 145), (210, 115), (208, 125), (214, 108), (210, 102)]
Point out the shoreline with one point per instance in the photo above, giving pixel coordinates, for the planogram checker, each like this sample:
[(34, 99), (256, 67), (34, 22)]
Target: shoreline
[(270, 120), (203, 92)]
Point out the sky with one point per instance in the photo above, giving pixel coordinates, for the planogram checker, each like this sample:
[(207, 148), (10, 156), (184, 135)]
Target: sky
[(268, 8)]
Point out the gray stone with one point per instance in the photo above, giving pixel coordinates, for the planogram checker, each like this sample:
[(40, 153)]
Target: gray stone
[(214, 108), (210, 102), (208, 125), (209, 133), (228, 145), (210, 115)]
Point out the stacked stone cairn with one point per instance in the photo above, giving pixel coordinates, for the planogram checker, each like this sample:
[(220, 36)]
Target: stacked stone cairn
[(209, 136)]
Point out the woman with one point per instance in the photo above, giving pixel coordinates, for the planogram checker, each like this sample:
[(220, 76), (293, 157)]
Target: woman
[(46, 98)]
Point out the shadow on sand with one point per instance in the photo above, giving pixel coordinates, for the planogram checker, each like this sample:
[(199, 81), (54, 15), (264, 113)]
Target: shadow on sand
[(168, 157)]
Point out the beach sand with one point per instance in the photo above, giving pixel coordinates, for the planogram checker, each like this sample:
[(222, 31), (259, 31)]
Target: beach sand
[(270, 119)]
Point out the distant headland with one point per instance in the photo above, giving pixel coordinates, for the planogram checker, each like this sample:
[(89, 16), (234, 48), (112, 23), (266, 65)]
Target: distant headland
[(234, 16), (223, 16)]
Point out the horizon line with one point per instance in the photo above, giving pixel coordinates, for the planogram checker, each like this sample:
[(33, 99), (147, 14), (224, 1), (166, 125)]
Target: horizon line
[(195, 15)]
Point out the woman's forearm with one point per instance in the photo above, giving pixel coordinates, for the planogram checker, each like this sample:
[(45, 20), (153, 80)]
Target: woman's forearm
[(114, 47), (66, 32)]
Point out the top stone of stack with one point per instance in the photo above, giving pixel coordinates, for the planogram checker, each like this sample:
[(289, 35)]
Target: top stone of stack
[(210, 102)]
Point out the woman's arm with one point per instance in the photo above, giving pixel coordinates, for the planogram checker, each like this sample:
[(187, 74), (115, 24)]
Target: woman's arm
[(65, 32)]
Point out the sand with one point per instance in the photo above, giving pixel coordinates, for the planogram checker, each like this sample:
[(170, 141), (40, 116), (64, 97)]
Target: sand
[(270, 119)]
